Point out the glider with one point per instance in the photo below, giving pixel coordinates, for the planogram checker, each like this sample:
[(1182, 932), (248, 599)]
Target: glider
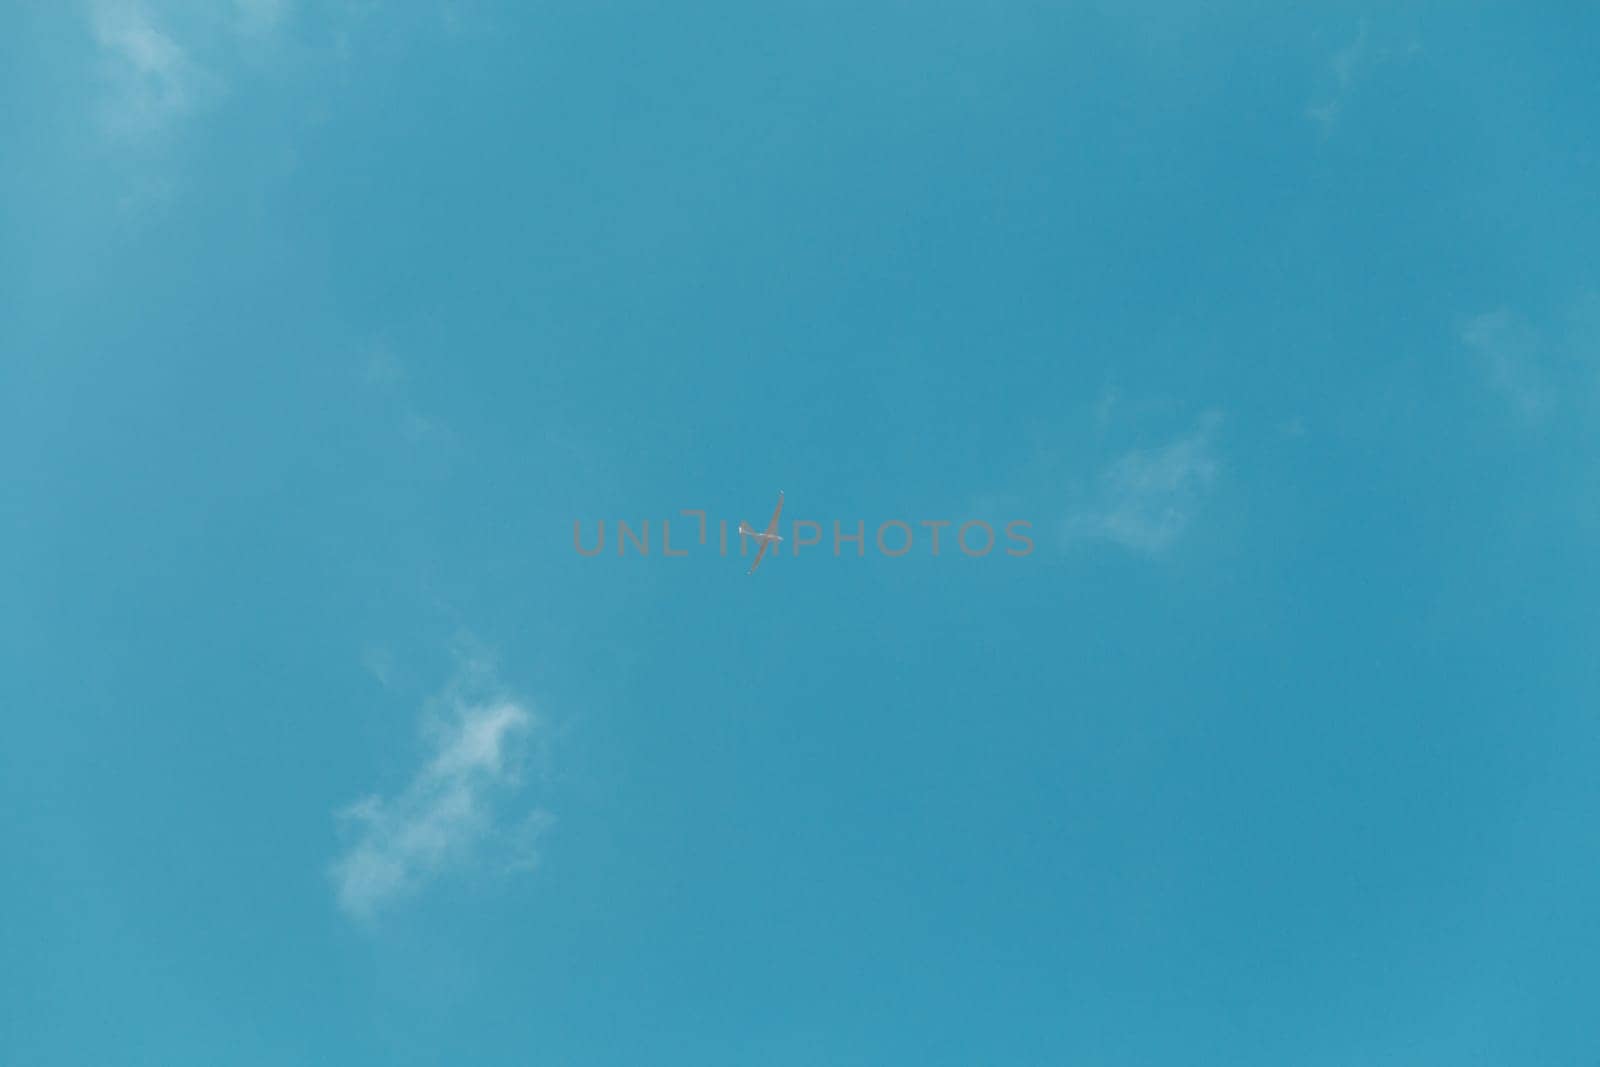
[(764, 538)]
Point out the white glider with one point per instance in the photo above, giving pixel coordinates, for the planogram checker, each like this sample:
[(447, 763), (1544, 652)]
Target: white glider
[(746, 530), (764, 538)]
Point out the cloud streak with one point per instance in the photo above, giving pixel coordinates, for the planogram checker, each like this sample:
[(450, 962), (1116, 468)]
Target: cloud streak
[(1148, 497), (457, 809), (1507, 349), (256, 17), (153, 81)]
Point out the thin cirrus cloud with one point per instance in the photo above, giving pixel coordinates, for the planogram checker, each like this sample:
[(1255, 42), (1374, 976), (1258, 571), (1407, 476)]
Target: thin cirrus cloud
[(1146, 499), (1346, 64), (1349, 67), (388, 377), (460, 810), (1507, 349), (260, 16), (163, 62), (153, 81), (1544, 368)]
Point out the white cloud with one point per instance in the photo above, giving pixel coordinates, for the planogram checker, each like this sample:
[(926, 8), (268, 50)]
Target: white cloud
[(153, 81), (255, 17), (1346, 64), (379, 661), (1105, 408), (1508, 349), (388, 377), (154, 78), (456, 811), (1147, 497)]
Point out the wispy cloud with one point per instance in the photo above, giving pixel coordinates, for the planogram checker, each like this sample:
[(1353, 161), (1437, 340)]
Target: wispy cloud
[(388, 377), (256, 17), (1349, 67), (1346, 64), (458, 810), (164, 61), (152, 80), (1146, 498), (379, 662), (1508, 351)]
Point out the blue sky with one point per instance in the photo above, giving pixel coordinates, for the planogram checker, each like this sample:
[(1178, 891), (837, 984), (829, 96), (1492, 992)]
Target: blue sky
[(322, 324)]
